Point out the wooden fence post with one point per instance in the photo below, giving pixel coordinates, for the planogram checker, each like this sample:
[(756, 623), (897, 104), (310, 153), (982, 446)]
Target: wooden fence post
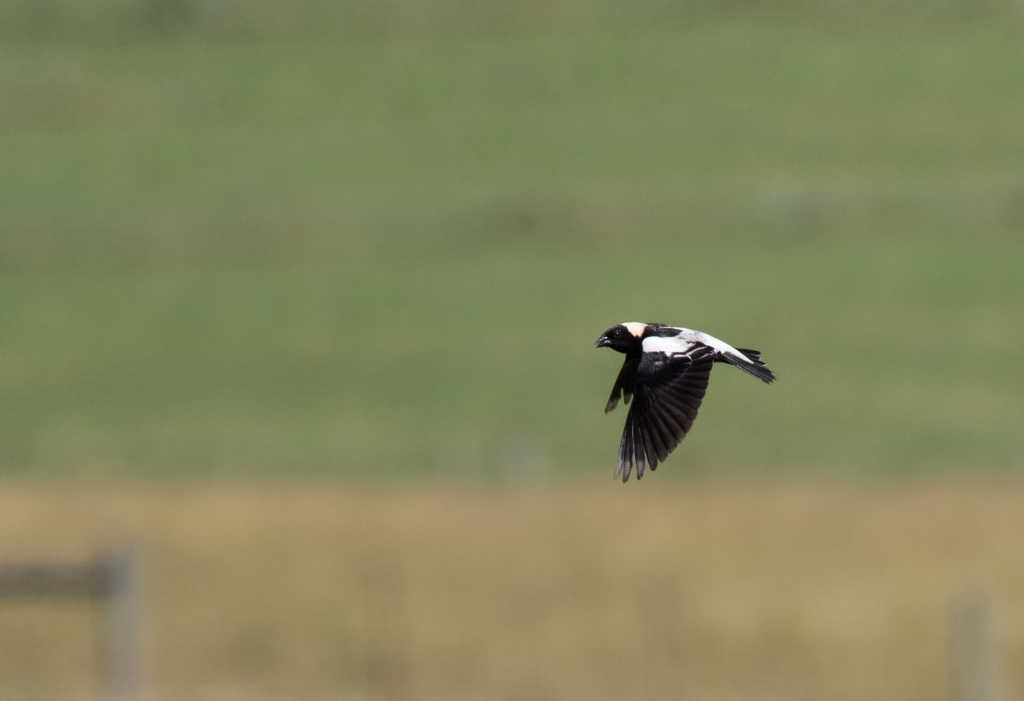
[(124, 659), (974, 669), (115, 581)]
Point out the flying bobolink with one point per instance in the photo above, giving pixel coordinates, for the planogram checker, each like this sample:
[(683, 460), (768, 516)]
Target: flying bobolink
[(666, 374)]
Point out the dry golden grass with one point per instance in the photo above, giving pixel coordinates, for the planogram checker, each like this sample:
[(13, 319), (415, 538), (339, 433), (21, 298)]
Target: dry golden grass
[(711, 591)]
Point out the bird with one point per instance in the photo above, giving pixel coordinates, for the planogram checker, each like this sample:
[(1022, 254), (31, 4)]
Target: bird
[(666, 374)]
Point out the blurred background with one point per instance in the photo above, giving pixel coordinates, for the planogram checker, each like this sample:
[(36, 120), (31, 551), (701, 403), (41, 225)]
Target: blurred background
[(300, 297)]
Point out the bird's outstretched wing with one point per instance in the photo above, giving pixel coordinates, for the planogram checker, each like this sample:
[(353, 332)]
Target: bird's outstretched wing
[(625, 384), (668, 390)]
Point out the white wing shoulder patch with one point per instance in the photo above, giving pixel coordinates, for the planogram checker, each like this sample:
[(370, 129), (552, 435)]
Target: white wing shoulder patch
[(667, 344)]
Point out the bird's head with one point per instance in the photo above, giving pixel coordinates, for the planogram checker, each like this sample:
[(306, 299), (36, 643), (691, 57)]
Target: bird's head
[(625, 338)]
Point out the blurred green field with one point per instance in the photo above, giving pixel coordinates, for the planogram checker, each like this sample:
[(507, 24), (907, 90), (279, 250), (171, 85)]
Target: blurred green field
[(311, 247)]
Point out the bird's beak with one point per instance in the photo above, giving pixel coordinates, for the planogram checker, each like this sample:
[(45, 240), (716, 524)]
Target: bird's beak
[(603, 342)]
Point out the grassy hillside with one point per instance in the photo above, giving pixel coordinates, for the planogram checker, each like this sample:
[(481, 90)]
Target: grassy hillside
[(388, 253)]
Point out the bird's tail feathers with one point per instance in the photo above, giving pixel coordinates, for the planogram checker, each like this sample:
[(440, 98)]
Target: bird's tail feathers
[(755, 366)]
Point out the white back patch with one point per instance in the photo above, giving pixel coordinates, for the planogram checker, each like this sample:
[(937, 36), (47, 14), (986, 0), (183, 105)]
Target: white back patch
[(635, 328), (720, 346), (685, 340)]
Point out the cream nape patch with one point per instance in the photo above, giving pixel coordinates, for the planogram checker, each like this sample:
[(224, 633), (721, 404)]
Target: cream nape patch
[(635, 327)]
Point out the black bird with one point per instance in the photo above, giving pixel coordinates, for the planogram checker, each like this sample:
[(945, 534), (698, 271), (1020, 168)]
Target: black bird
[(666, 375)]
